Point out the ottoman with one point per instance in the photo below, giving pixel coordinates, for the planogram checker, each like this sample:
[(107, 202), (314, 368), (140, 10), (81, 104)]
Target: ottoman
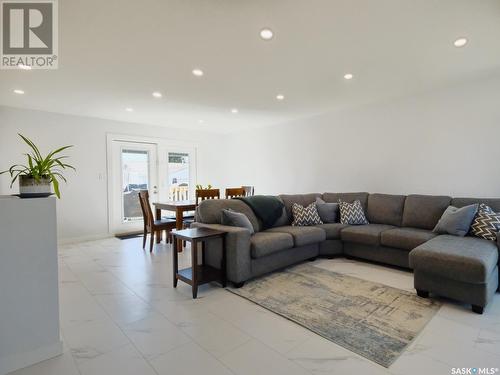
[(461, 268)]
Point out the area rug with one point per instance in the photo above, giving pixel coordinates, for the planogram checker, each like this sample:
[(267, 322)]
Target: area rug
[(373, 320)]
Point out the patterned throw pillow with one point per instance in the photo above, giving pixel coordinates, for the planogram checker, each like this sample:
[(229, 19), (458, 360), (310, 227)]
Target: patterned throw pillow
[(486, 223), (304, 216), (352, 213)]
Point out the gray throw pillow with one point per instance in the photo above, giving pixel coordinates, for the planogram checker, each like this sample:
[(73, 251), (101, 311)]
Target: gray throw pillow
[(456, 221), (236, 219), (327, 211)]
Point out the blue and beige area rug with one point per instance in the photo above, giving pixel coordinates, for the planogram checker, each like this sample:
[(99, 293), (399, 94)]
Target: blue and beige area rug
[(373, 320)]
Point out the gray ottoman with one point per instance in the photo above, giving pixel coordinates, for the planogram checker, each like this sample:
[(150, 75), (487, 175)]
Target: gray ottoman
[(461, 268)]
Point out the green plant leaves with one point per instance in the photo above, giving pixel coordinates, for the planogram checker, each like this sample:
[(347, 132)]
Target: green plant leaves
[(41, 167)]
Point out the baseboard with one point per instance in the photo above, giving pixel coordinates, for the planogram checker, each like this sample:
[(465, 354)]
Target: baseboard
[(22, 360), (66, 241)]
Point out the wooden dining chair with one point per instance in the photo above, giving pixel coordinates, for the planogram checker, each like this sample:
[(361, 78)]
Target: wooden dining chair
[(150, 224), (202, 194), (235, 192)]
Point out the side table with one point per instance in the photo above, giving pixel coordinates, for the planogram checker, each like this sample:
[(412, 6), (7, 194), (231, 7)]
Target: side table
[(198, 274)]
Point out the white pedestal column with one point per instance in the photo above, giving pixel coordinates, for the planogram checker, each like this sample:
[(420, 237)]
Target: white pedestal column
[(29, 296)]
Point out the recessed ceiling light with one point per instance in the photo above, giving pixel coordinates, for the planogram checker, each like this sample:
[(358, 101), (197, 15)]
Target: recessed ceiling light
[(460, 42), (18, 92), (128, 109), (201, 121), (198, 72), (266, 34), (157, 94), (24, 67), (234, 110), (280, 96), (348, 76)]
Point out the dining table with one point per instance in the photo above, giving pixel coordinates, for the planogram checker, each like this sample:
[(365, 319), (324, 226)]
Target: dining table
[(179, 207)]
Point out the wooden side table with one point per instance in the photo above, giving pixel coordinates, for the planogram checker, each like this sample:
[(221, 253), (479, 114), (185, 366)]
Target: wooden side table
[(198, 274)]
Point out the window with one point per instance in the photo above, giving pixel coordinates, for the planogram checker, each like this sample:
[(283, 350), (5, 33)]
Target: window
[(178, 176)]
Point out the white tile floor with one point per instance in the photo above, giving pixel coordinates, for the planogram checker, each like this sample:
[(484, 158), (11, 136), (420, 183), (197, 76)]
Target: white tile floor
[(120, 315)]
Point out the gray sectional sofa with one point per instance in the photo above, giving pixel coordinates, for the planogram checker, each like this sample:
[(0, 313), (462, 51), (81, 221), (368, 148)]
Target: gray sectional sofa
[(399, 233)]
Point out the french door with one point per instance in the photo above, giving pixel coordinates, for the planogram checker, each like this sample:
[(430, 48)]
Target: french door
[(135, 168), (166, 169)]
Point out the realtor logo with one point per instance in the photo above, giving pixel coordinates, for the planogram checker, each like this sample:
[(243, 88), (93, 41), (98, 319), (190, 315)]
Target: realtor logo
[(29, 34)]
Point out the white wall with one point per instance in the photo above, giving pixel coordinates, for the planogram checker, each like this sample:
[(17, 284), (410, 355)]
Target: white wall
[(446, 142), (82, 211)]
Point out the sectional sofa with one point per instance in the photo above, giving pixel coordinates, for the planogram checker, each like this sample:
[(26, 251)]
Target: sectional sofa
[(399, 234)]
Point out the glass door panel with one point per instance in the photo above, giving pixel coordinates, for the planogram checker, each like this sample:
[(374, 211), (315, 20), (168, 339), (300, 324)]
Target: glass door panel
[(135, 177), (133, 168), (178, 176)]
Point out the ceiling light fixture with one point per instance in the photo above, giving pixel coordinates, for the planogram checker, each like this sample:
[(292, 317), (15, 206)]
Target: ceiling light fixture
[(18, 92), (280, 96), (266, 34), (198, 72), (348, 76), (460, 42), (234, 110), (157, 94), (24, 67), (128, 109), (201, 121)]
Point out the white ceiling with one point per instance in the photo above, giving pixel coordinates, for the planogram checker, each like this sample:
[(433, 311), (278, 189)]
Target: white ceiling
[(115, 53)]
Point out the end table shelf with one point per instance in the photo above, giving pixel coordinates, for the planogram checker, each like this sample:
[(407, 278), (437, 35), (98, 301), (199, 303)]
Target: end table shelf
[(198, 274), (205, 274)]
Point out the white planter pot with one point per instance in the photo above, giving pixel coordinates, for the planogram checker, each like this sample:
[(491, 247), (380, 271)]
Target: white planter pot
[(30, 188)]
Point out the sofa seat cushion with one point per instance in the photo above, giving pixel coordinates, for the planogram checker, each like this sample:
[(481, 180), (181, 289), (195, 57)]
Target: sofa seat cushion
[(466, 259), (406, 238), (301, 235), (332, 230), (364, 234), (267, 243)]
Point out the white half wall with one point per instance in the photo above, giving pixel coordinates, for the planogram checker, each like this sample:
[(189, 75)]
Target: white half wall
[(83, 209), (445, 142)]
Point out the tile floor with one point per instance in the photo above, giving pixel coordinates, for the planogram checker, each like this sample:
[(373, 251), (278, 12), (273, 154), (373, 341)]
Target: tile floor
[(120, 315)]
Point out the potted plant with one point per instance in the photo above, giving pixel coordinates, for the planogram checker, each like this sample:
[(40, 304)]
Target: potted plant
[(41, 173)]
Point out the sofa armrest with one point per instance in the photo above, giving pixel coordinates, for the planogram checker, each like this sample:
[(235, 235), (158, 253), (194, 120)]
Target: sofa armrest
[(238, 261)]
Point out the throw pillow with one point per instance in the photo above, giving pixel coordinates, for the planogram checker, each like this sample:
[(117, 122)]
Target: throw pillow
[(304, 216), (456, 221), (327, 211), (352, 213), (236, 219), (486, 223)]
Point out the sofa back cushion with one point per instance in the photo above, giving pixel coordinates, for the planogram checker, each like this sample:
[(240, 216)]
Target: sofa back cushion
[(494, 203), (209, 211), (424, 211), (385, 209), (302, 199), (347, 197)]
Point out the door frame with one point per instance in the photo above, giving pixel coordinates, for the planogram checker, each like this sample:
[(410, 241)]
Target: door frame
[(163, 145)]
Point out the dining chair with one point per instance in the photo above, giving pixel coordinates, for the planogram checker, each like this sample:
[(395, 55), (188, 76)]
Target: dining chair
[(249, 191), (202, 194), (150, 224), (235, 192)]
